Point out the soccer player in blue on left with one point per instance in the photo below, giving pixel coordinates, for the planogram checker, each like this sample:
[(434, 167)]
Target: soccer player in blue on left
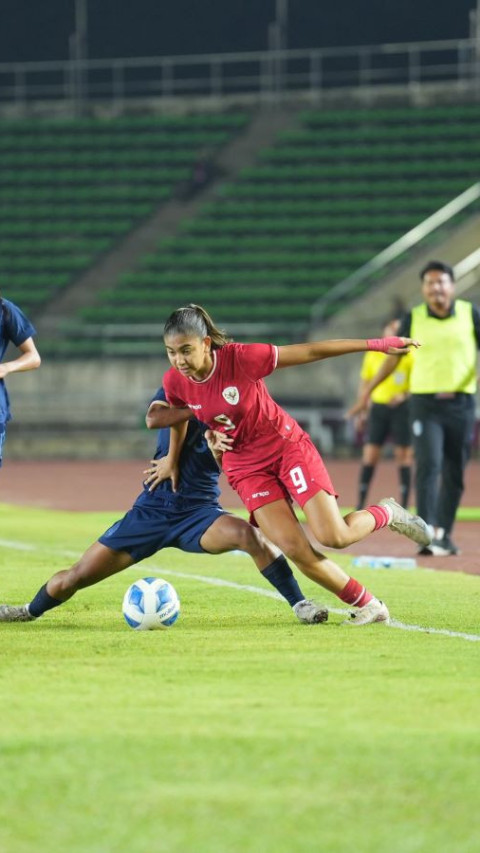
[(15, 328), (190, 519)]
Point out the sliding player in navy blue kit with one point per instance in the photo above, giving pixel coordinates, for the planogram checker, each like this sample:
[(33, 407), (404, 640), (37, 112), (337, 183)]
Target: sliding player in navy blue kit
[(190, 519)]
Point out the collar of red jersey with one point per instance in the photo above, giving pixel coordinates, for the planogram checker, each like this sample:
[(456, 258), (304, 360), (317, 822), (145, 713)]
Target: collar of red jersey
[(209, 375)]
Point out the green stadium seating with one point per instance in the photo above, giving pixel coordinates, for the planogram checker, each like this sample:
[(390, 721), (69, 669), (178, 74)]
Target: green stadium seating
[(335, 188), (330, 193), (71, 189)]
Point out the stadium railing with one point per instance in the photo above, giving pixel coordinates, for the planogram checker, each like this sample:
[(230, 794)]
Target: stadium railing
[(380, 264), (262, 75)]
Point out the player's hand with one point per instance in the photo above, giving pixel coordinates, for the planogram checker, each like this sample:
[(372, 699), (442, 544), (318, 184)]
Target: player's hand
[(161, 469), (397, 400), (218, 442), (392, 345)]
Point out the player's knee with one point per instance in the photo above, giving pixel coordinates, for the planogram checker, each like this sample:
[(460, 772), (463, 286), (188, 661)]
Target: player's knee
[(249, 539), (336, 540)]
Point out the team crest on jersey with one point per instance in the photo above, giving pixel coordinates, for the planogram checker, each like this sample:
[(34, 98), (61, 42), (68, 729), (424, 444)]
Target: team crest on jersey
[(231, 395)]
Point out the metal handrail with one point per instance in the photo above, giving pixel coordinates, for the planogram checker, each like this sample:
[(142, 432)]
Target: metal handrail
[(245, 56), (254, 72), (344, 288)]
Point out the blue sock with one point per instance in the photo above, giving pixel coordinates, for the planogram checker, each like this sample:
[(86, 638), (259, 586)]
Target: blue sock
[(42, 602), (280, 575)]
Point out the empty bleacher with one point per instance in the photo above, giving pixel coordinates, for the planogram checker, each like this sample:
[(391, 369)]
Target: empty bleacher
[(71, 189), (336, 188)]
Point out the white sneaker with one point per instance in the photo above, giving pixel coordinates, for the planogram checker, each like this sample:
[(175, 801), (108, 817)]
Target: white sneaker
[(309, 612), (374, 611), (15, 613), (404, 522)]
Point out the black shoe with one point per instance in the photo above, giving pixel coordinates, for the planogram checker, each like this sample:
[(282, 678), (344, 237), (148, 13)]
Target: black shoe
[(425, 550), (444, 547)]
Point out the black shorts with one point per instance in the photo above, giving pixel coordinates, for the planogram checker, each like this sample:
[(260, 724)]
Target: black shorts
[(389, 422)]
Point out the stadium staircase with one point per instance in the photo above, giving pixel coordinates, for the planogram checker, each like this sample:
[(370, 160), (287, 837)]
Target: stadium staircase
[(61, 334)]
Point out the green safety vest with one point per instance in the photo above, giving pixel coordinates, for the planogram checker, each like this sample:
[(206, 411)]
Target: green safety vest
[(447, 359)]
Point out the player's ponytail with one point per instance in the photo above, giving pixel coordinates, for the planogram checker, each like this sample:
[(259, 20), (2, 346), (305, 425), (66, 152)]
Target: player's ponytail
[(194, 320)]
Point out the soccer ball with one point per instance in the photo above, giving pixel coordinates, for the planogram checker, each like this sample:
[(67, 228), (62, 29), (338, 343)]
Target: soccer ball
[(151, 603)]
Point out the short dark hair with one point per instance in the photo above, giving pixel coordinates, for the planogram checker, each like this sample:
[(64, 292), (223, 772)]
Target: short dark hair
[(437, 266)]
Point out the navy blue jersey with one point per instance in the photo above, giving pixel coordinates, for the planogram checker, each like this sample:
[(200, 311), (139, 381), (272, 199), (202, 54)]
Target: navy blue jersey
[(199, 472), (15, 328)]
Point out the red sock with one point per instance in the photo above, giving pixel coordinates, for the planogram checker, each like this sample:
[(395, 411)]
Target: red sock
[(354, 593), (380, 514)]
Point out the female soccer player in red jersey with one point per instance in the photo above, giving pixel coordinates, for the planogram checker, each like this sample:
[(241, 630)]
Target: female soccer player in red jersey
[(272, 461)]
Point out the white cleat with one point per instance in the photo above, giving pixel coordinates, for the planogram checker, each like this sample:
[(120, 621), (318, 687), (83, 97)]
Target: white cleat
[(374, 611), (309, 612), (15, 613), (404, 522)]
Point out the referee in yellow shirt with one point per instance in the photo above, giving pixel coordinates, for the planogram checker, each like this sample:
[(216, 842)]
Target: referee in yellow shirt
[(443, 386), (388, 418)]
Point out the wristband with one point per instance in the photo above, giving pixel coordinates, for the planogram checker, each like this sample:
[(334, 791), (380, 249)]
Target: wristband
[(384, 344)]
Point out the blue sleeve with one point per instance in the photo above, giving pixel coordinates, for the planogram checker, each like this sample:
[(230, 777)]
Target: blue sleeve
[(159, 397), (18, 326)]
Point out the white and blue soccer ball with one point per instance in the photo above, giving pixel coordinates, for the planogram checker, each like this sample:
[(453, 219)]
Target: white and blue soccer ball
[(151, 603)]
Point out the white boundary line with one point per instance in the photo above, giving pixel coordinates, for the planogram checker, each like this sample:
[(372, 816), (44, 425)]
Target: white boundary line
[(256, 590), (393, 623)]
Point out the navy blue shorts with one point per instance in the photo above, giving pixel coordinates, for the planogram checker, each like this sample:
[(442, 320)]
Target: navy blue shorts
[(144, 530)]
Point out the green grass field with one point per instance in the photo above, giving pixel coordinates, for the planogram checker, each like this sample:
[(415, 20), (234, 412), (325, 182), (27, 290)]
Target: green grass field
[(238, 730)]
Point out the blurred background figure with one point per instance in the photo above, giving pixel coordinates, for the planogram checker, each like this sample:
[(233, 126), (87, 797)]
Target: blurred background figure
[(443, 386), (387, 417)]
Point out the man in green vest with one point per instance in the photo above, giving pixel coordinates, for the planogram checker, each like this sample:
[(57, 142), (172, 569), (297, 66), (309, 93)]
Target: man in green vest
[(443, 384)]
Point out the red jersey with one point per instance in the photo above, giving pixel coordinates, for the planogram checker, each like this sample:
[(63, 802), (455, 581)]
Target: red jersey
[(234, 399)]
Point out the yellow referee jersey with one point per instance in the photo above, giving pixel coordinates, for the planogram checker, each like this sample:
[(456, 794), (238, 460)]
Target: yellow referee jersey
[(397, 383)]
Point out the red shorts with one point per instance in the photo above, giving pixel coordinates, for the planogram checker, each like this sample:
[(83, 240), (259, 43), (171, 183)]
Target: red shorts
[(297, 473)]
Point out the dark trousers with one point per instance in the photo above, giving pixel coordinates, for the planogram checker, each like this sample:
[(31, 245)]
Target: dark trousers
[(442, 432)]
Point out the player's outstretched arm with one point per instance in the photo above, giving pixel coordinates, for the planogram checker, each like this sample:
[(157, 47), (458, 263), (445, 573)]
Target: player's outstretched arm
[(295, 354)]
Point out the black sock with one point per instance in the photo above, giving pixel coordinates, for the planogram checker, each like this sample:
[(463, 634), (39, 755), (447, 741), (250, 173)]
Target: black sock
[(280, 575), (405, 478), (42, 602), (366, 474)]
